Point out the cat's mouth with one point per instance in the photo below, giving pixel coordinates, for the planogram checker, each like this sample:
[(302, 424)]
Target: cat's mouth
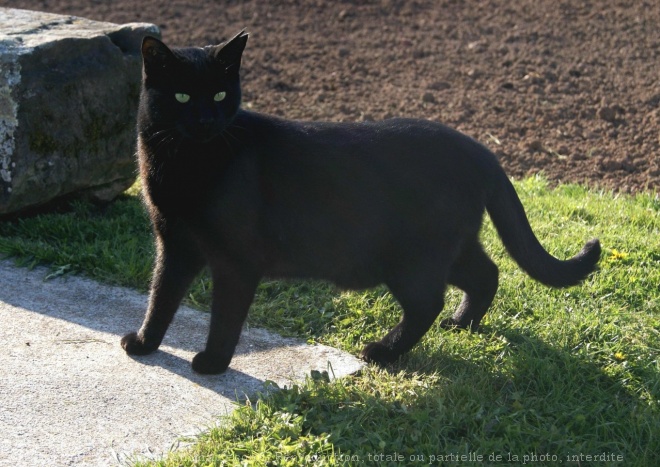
[(201, 135)]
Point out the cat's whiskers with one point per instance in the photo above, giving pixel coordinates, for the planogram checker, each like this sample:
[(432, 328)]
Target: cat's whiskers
[(163, 138), (228, 133), (165, 132), (222, 135)]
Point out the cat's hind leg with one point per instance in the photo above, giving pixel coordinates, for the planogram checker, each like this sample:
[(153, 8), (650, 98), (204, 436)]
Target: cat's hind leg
[(475, 274), (421, 296)]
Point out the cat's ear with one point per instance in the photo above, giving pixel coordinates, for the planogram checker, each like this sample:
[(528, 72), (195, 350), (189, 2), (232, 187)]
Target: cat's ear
[(230, 52), (156, 56)]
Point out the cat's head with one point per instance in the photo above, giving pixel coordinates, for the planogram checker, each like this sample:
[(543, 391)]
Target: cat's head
[(193, 91)]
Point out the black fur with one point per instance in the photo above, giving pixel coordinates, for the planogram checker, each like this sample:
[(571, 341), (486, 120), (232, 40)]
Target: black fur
[(398, 202)]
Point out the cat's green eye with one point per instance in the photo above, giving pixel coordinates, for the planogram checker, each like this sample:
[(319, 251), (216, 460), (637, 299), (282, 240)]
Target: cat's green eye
[(181, 97), (220, 96)]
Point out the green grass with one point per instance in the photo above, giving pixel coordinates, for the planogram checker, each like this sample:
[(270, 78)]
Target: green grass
[(567, 373)]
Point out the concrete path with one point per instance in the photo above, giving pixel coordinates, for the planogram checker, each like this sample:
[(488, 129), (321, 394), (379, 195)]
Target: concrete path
[(69, 395)]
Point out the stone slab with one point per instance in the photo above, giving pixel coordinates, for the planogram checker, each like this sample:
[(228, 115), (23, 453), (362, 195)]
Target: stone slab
[(71, 396), (69, 91)]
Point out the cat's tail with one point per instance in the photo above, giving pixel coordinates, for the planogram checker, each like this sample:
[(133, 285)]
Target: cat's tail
[(508, 215)]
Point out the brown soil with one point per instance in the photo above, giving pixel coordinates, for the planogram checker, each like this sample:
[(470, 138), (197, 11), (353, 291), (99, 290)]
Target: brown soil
[(570, 89)]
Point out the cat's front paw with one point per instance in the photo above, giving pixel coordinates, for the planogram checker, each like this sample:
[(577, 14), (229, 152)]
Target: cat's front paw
[(133, 344), (379, 354), (210, 364)]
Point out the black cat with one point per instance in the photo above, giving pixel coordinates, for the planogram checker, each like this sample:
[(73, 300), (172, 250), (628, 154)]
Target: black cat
[(398, 202)]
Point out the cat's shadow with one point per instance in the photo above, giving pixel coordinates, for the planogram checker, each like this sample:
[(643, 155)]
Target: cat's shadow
[(235, 385), (91, 318), (461, 389)]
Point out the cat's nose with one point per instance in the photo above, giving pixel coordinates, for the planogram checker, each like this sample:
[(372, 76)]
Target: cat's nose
[(205, 117), (205, 124)]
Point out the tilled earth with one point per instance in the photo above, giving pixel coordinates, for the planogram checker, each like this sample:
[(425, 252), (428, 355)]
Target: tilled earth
[(563, 87)]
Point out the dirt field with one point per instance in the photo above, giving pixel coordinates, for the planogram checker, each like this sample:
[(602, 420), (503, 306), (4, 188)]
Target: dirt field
[(568, 88)]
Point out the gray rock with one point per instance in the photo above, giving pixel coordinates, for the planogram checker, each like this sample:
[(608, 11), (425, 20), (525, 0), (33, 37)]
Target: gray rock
[(69, 90)]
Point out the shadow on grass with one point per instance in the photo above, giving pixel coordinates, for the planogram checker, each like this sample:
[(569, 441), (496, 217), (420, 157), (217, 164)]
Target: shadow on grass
[(538, 404)]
